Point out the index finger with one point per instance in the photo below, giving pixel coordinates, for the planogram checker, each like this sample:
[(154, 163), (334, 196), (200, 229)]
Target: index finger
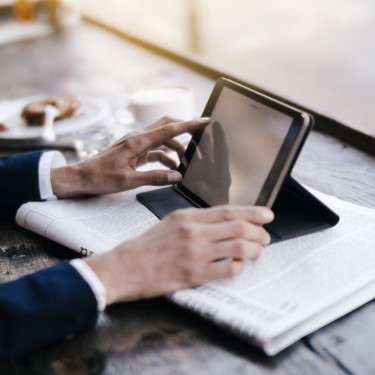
[(253, 214), (163, 121), (156, 137)]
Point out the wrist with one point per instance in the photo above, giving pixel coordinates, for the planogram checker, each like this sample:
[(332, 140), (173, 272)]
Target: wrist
[(68, 181), (104, 267)]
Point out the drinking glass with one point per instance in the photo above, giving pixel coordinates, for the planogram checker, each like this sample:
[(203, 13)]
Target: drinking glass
[(90, 141)]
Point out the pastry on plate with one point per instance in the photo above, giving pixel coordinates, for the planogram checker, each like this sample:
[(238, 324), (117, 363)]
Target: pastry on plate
[(34, 113)]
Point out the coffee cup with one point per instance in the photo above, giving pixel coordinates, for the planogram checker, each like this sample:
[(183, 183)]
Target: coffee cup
[(148, 105)]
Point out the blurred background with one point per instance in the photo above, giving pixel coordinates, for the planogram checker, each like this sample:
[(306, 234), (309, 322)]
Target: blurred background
[(318, 54)]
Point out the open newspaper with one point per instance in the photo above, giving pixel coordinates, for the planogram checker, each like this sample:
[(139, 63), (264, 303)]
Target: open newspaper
[(296, 287)]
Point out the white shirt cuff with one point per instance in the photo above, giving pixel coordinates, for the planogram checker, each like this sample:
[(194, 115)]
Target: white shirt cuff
[(54, 159), (49, 160), (94, 282)]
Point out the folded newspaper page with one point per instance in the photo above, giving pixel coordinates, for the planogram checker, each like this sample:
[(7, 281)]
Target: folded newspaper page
[(89, 225), (296, 287)]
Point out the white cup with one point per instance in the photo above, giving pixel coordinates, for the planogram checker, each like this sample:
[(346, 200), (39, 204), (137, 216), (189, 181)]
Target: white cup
[(148, 105)]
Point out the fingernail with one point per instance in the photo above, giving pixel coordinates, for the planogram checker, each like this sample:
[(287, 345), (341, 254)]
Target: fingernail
[(204, 119), (174, 177), (267, 215)]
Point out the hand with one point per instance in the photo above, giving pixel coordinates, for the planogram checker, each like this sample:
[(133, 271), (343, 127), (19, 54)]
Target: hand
[(182, 251), (115, 169)]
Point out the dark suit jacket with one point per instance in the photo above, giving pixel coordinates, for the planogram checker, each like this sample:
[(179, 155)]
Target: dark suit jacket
[(47, 305)]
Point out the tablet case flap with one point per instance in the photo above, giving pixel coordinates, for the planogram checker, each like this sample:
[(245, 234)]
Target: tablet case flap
[(161, 202), (297, 211)]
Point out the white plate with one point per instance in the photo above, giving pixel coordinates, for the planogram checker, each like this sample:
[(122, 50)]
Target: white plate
[(91, 112)]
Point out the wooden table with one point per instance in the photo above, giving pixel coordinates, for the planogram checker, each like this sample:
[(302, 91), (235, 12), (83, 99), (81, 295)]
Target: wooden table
[(156, 337)]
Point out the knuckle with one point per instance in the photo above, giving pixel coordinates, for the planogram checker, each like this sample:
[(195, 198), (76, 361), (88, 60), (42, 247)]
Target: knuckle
[(166, 130), (185, 231), (240, 248), (131, 142), (253, 211), (240, 228), (135, 133), (158, 153), (159, 156), (227, 213), (179, 216), (129, 135), (166, 119), (126, 142)]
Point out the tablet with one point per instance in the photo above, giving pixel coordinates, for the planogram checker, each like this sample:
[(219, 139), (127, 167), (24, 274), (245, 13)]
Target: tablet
[(245, 156), (245, 153)]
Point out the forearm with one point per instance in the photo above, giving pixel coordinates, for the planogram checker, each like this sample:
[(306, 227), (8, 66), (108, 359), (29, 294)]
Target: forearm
[(40, 308)]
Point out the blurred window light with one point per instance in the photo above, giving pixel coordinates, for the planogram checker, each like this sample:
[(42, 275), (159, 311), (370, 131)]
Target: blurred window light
[(319, 54)]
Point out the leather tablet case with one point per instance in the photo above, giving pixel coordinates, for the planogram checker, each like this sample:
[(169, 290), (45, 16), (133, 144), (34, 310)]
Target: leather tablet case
[(297, 211)]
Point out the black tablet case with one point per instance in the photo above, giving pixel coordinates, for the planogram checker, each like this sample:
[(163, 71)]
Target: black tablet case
[(297, 211)]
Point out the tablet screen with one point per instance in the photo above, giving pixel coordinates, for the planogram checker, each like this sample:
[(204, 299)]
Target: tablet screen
[(236, 152)]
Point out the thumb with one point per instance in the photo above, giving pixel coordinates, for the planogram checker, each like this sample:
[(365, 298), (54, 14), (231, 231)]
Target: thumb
[(158, 177)]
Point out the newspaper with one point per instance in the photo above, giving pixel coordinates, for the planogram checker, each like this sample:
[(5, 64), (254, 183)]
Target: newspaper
[(296, 287), (89, 225)]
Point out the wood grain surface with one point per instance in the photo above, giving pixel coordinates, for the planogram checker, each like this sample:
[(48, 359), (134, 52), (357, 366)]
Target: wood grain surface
[(154, 336)]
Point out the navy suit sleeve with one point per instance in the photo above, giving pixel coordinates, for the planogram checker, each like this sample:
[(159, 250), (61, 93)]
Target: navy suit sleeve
[(40, 308), (19, 182)]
